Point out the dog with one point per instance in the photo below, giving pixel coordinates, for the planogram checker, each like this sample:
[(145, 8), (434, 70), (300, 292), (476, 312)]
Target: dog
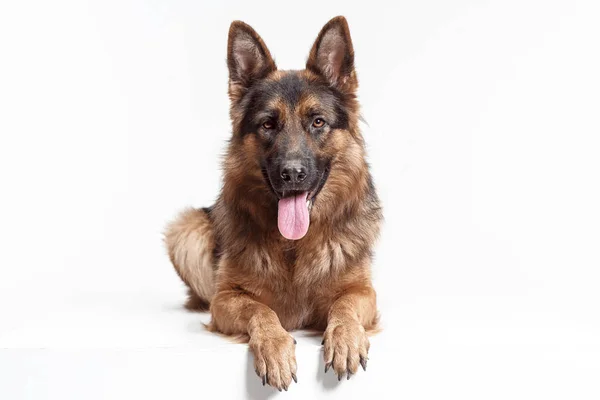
[(289, 241)]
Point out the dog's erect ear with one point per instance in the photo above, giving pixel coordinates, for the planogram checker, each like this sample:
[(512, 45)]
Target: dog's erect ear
[(248, 58), (332, 55)]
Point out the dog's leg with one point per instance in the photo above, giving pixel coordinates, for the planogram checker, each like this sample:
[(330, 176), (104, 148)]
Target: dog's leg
[(190, 242), (238, 312), (345, 340)]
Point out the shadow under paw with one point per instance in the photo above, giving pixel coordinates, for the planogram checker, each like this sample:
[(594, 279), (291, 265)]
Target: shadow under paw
[(254, 386), (328, 380)]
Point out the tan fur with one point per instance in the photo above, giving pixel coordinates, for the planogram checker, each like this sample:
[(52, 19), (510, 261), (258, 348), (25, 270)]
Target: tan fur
[(264, 284), (190, 242)]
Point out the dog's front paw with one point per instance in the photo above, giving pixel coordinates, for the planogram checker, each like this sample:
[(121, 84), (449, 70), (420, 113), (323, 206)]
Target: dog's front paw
[(345, 346), (274, 358)]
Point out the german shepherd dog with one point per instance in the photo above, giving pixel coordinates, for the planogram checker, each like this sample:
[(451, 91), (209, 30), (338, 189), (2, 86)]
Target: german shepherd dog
[(288, 243)]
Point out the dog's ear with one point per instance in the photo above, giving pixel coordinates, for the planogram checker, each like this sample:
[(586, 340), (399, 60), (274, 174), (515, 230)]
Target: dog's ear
[(332, 55), (248, 58)]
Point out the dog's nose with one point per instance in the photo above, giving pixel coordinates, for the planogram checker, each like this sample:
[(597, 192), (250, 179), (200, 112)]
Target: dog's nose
[(293, 172)]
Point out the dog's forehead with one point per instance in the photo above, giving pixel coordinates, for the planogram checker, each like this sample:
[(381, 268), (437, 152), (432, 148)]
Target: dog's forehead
[(292, 89)]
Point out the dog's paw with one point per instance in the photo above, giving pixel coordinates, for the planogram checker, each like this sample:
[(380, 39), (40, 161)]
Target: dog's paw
[(275, 358), (345, 346)]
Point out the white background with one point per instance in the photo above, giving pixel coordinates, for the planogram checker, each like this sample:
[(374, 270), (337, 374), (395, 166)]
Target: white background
[(484, 139)]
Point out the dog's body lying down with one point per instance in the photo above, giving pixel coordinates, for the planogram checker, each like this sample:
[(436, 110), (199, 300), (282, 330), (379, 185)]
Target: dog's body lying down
[(288, 243)]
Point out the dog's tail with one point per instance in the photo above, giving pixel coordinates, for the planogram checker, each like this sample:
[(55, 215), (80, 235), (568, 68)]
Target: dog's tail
[(190, 241)]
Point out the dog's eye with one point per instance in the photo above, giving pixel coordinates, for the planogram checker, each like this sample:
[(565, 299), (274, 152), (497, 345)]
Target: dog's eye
[(318, 123), (268, 125)]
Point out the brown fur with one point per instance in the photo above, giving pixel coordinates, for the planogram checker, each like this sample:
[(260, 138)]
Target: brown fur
[(257, 282)]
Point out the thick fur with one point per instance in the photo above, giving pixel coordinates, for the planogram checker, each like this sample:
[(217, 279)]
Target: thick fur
[(191, 243), (232, 256)]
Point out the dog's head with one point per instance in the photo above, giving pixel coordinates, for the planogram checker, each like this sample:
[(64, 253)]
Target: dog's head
[(294, 127)]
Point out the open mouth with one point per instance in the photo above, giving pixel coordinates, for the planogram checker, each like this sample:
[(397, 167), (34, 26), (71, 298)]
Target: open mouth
[(310, 195), (293, 208)]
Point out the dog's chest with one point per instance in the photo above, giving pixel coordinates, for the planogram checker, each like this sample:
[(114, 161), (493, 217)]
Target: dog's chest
[(297, 287), (294, 306), (289, 257)]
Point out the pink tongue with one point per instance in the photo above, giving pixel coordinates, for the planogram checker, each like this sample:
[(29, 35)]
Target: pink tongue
[(292, 218)]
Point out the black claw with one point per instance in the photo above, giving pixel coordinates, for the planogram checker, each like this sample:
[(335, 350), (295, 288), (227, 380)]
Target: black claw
[(295, 341), (348, 377), (323, 342), (363, 362), (339, 377), (279, 389), (267, 380), (294, 378), (264, 380), (327, 366)]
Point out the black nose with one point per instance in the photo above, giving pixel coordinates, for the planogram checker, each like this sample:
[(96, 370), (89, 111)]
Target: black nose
[(293, 172)]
